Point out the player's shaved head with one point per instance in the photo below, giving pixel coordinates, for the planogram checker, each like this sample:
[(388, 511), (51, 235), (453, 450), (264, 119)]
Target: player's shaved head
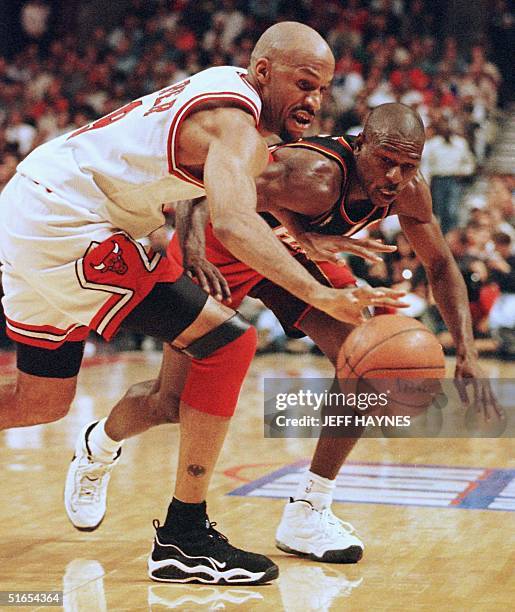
[(394, 120), (292, 43), (292, 67)]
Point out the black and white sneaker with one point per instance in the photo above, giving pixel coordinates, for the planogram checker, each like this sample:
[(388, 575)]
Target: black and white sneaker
[(205, 555)]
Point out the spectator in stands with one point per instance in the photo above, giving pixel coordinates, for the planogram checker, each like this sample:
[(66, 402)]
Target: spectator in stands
[(501, 317), (20, 133), (386, 50), (34, 19), (445, 161)]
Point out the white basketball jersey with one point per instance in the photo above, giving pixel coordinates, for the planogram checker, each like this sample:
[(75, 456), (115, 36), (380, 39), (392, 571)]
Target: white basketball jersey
[(122, 168)]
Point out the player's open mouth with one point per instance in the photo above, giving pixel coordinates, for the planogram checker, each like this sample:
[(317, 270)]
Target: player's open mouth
[(303, 119), (388, 193)]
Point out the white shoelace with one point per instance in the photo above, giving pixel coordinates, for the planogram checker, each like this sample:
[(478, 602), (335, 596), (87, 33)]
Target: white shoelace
[(89, 482), (332, 524)]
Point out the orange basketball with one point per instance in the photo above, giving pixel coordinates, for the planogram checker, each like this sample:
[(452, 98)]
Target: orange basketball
[(393, 347)]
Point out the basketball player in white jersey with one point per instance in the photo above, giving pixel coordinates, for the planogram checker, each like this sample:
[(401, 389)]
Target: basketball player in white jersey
[(68, 223)]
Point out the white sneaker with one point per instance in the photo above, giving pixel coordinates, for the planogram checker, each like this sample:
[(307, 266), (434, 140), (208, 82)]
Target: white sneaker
[(317, 534), (85, 492)]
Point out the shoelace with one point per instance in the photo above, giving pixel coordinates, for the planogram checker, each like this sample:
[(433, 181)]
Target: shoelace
[(332, 523), (212, 532), (89, 482), (216, 534)]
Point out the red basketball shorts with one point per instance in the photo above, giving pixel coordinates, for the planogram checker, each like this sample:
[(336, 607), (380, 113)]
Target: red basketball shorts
[(244, 281)]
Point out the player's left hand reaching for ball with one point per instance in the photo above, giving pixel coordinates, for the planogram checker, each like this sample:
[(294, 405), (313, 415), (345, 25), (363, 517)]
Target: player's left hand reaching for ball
[(469, 373)]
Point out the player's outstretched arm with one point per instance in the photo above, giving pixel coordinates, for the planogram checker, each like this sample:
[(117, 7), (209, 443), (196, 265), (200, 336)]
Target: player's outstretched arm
[(236, 155), (450, 293)]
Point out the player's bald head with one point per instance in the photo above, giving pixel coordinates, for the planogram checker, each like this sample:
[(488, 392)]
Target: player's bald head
[(291, 43), (394, 120)]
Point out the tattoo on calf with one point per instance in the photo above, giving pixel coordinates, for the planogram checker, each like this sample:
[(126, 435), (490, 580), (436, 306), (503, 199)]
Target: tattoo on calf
[(196, 470)]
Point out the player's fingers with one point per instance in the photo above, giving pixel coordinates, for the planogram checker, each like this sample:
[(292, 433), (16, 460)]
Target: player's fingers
[(393, 292), (461, 387), (492, 401), (499, 410), (359, 251), (223, 286), (479, 400), (340, 258), (366, 254), (378, 246), (389, 302), (201, 277), (356, 319), (489, 409), (494, 410), (379, 292), (216, 288), (226, 291)]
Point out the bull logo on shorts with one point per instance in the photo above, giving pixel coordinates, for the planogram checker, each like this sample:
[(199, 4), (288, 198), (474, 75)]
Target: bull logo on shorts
[(112, 262)]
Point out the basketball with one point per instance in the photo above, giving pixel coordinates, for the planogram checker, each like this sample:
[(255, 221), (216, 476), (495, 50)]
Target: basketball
[(393, 347)]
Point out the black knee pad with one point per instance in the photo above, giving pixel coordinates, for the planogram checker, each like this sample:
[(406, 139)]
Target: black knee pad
[(167, 310), (225, 333)]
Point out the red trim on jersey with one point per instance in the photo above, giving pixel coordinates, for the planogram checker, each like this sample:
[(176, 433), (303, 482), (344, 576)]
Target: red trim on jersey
[(244, 77), (342, 141), (349, 220), (182, 114), (45, 336), (303, 144)]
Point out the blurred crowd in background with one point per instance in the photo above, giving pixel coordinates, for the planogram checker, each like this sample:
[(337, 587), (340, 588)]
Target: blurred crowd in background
[(54, 80)]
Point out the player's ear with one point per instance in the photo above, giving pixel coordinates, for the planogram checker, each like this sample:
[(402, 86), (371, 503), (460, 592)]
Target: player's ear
[(358, 143), (262, 70)]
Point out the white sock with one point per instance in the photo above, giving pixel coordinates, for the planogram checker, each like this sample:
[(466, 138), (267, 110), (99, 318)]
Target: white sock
[(315, 489), (101, 445)]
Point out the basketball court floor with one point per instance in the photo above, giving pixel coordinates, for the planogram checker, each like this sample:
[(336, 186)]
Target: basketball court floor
[(436, 515)]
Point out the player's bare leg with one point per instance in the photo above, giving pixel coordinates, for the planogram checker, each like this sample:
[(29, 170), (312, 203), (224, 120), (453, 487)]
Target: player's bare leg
[(202, 438), (308, 527), (151, 402), (186, 531), (329, 335), (31, 400)]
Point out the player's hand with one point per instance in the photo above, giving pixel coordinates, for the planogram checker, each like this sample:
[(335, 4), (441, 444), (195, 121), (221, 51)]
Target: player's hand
[(469, 373), (332, 248), (380, 296), (348, 304), (209, 278)]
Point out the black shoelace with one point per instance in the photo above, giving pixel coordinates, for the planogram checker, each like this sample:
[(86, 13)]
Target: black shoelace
[(212, 533), (216, 534)]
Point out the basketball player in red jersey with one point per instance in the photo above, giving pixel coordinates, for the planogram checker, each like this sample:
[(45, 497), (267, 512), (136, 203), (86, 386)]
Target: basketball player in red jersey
[(68, 221), (323, 190)]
